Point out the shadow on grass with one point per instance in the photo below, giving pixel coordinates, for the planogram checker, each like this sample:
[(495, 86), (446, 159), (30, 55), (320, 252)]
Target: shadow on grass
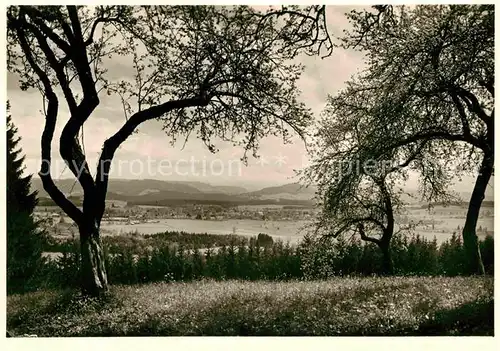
[(63, 303), (72, 301), (474, 318)]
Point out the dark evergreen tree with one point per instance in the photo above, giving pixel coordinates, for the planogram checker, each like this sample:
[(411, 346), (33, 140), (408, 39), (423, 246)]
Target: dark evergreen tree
[(19, 197), (24, 240)]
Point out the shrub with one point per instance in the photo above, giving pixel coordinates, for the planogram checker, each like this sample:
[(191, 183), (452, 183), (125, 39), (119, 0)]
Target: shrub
[(487, 247), (411, 255), (24, 252), (264, 240)]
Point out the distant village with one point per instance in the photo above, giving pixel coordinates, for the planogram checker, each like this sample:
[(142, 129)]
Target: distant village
[(437, 220), (120, 213)]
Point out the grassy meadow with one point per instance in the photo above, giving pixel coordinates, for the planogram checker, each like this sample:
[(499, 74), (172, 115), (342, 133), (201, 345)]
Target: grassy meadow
[(337, 306)]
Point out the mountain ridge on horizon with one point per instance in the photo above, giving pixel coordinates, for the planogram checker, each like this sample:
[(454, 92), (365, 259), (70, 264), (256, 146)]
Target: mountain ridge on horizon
[(157, 190)]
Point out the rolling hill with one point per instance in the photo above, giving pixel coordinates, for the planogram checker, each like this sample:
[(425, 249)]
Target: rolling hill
[(157, 192), (141, 187), (291, 191)]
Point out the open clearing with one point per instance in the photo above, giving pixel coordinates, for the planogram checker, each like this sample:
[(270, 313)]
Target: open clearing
[(339, 306)]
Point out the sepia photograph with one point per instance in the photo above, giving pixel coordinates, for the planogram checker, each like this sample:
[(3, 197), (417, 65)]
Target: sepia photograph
[(249, 170)]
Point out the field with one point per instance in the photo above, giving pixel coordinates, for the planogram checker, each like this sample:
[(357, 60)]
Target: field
[(286, 231), (339, 306)]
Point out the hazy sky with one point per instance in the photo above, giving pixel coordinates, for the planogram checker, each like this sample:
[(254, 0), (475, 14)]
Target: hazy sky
[(150, 146)]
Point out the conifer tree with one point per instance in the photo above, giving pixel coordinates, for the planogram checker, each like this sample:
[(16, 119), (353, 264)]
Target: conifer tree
[(19, 197), (24, 240)]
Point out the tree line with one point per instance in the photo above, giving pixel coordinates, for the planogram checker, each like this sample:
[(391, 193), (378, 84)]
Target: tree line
[(130, 263)]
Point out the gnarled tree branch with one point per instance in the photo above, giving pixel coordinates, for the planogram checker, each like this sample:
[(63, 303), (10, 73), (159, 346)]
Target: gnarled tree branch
[(361, 229), (111, 145), (50, 123)]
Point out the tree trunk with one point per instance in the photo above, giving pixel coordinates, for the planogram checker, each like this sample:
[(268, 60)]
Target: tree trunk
[(474, 263), (93, 270), (387, 263)]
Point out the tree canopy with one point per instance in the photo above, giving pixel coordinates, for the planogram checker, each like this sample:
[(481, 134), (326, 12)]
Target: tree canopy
[(429, 77)]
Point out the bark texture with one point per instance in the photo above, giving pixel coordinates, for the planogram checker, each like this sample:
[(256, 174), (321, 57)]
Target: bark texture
[(387, 263), (93, 268), (474, 263)]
